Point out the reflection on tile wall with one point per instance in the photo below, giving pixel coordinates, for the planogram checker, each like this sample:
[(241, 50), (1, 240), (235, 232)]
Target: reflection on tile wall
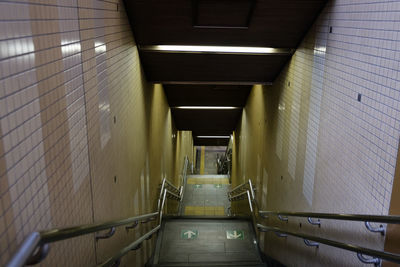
[(331, 127), (76, 124)]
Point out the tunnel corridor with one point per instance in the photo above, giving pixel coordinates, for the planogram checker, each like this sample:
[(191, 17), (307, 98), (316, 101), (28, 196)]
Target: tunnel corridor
[(199, 133)]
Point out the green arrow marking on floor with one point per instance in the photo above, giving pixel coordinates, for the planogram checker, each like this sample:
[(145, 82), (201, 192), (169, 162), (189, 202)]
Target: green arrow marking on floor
[(218, 185), (189, 234), (234, 234), (198, 186)]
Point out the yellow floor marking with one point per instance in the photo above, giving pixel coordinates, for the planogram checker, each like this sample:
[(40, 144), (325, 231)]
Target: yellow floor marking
[(207, 181), (219, 211), (206, 210), (202, 159)]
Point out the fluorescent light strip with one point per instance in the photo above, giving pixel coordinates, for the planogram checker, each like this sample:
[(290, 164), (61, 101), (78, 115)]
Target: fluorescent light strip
[(217, 49), (214, 136), (205, 107)]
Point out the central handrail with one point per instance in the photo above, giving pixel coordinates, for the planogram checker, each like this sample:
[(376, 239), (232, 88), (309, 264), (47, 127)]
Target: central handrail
[(246, 191)]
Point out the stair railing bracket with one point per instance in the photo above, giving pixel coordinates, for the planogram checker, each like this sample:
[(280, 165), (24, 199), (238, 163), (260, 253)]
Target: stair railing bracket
[(376, 261), (311, 243), (379, 229), (282, 218), (133, 226), (311, 221), (109, 234)]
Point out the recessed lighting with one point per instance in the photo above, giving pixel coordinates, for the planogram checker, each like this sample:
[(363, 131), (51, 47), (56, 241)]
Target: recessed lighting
[(217, 49), (206, 107), (214, 136)]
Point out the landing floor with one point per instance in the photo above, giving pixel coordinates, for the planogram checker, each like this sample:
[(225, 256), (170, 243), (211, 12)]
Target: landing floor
[(206, 195)]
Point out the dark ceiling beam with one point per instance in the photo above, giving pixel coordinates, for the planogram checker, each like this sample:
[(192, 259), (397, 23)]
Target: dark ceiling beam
[(279, 23), (210, 142), (211, 68), (206, 95), (206, 120)]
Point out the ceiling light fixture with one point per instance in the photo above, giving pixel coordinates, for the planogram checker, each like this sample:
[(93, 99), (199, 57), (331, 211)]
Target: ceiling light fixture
[(217, 49), (214, 136), (206, 107)]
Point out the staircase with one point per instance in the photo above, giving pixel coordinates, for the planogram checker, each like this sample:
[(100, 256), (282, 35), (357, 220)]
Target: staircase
[(202, 234), (189, 241)]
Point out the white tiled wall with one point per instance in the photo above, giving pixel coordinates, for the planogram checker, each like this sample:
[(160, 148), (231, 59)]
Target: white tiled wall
[(362, 57), (323, 149), (75, 129)]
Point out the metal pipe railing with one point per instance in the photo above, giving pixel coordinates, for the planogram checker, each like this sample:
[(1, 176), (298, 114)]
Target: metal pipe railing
[(133, 246), (393, 219), (70, 232), (239, 196), (361, 251), (239, 187), (171, 186), (350, 247), (36, 241)]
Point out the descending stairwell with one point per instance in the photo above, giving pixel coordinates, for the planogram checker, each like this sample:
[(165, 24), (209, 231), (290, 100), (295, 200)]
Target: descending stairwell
[(204, 235)]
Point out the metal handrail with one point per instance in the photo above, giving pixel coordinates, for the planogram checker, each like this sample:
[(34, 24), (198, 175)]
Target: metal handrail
[(39, 239), (133, 246), (239, 196), (173, 195), (183, 183), (171, 186), (137, 243), (393, 219), (361, 250), (70, 232), (165, 183), (240, 187)]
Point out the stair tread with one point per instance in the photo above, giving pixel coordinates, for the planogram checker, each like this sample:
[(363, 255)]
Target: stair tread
[(211, 245)]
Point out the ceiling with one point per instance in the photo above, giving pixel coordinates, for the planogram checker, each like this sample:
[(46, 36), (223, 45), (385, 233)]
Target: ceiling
[(210, 78)]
